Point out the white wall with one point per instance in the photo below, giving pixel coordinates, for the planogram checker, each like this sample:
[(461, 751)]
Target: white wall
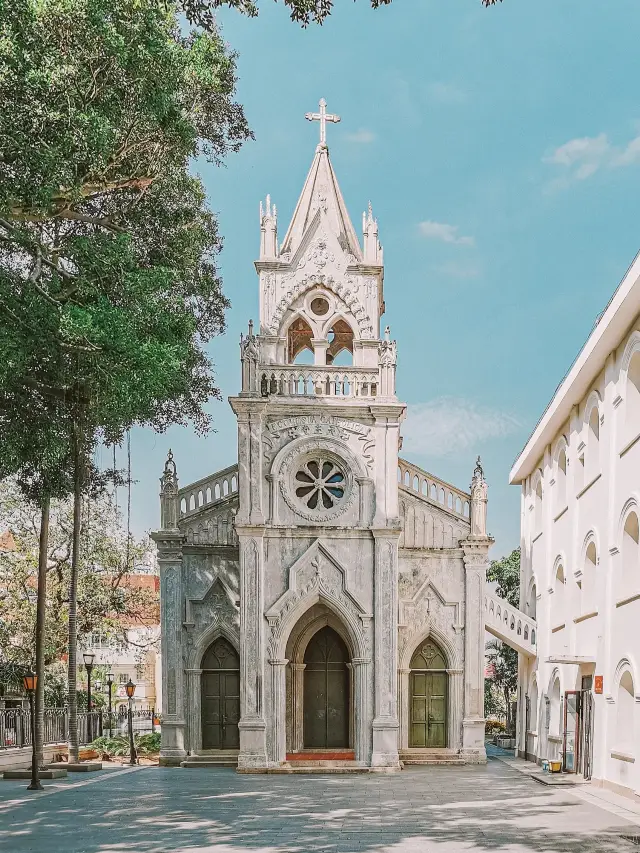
[(586, 567)]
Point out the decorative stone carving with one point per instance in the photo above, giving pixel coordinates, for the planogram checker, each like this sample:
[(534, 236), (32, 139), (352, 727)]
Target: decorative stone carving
[(279, 432), (289, 486), (478, 502), (318, 573), (427, 608), (215, 607)]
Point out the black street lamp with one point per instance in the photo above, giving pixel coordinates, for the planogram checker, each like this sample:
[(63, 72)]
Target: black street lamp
[(30, 681), (109, 686), (131, 689), (88, 658)]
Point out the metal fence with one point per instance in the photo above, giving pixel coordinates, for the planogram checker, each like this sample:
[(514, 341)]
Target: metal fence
[(15, 725)]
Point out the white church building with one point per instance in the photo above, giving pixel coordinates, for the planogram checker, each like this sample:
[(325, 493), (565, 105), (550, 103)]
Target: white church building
[(580, 563), (323, 601)]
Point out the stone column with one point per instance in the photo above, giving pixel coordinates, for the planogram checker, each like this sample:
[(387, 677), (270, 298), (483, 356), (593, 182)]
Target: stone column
[(279, 709), (253, 754), (362, 737), (297, 706), (403, 705), (385, 722), (455, 706), (256, 515), (194, 713), (476, 561), (173, 750)]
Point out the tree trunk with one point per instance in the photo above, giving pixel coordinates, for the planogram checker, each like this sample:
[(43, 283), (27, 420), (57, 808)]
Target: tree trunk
[(72, 670), (505, 691), (41, 610)]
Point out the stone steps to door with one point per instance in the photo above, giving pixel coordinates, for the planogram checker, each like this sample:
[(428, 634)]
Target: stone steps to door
[(321, 766), (322, 755), (426, 757), (223, 758)]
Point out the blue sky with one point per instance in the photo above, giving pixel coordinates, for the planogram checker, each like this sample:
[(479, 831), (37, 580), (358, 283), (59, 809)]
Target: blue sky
[(501, 151)]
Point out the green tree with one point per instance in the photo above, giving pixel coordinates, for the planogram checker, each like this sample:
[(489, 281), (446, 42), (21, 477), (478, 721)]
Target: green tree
[(107, 247), (505, 573), (503, 666), (105, 601)]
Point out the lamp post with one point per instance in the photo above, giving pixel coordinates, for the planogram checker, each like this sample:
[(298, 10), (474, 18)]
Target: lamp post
[(30, 681), (88, 658), (109, 686), (131, 689)]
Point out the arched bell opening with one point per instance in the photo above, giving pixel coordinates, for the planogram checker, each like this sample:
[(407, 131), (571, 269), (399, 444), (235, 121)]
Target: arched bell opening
[(428, 697), (340, 349), (220, 696), (299, 342)]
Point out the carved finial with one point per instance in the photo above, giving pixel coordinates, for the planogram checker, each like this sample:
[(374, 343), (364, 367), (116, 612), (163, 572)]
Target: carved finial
[(275, 212), (261, 213), (370, 213), (250, 328), (478, 473), (170, 470), (387, 333)]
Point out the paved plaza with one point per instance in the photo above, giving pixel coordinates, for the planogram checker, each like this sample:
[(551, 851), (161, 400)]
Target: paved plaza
[(422, 810)]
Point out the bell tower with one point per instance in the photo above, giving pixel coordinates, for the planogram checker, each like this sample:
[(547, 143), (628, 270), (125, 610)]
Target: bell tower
[(318, 435)]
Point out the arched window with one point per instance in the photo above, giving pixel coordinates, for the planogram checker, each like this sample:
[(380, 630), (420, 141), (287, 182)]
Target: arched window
[(632, 405), (561, 481), (554, 715), (589, 579), (299, 346), (234, 483), (630, 553), (624, 739), (557, 605), (533, 707), (537, 512), (425, 488), (592, 463), (340, 350), (416, 483), (407, 478), (532, 600)]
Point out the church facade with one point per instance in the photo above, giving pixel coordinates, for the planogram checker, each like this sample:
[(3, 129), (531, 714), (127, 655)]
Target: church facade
[(323, 599)]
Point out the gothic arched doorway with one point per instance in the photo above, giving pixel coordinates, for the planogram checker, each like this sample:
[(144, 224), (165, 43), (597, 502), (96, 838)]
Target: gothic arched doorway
[(220, 691), (326, 691), (428, 697)]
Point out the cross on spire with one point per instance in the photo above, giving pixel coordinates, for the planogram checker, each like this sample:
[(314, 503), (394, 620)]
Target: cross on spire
[(323, 117)]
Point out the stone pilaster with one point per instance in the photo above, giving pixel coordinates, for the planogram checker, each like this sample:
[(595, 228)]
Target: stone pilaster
[(253, 752), (194, 713), (385, 722), (279, 699), (476, 561), (173, 749)]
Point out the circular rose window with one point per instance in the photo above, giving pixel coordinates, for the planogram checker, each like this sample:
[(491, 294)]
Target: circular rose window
[(320, 483), (319, 306)]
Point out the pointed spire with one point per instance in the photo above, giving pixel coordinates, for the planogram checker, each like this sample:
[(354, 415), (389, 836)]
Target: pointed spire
[(321, 196), (372, 247), (268, 230)]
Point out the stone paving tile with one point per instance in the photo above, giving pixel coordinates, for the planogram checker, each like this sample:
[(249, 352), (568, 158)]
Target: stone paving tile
[(421, 810)]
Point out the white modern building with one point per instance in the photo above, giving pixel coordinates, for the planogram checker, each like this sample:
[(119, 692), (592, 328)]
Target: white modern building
[(580, 568)]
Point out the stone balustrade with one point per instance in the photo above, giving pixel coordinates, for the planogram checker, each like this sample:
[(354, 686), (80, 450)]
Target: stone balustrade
[(208, 491), (298, 381), (509, 624), (414, 479)]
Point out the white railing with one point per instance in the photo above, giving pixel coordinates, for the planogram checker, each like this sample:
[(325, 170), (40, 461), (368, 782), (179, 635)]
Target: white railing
[(209, 490), (509, 624), (415, 480), (297, 381)]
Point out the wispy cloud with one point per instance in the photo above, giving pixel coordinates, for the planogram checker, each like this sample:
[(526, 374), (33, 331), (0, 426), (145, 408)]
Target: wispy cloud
[(444, 232), (458, 269), (446, 93), (582, 157), (450, 425), (361, 137)]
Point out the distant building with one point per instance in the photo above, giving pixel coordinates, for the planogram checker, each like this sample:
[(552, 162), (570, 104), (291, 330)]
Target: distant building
[(580, 566), (137, 655)]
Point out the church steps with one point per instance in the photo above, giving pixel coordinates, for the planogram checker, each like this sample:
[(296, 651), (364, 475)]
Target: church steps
[(223, 758), (430, 757)]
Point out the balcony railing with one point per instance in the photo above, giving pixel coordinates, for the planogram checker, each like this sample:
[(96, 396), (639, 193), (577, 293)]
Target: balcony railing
[(209, 490), (297, 381)]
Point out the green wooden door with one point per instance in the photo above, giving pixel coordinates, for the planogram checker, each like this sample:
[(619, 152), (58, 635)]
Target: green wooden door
[(326, 692), (428, 725), (220, 696), (428, 697)]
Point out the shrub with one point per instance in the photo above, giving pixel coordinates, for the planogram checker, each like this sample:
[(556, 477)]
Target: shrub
[(495, 727)]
